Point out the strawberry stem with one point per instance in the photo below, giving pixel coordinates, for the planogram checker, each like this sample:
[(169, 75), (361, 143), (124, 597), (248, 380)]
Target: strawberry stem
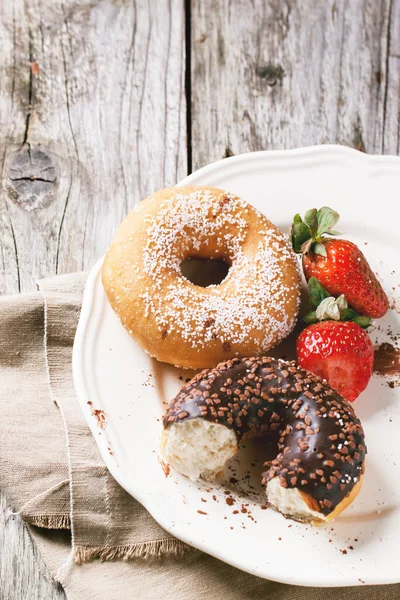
[(307, 235), (327, 308)]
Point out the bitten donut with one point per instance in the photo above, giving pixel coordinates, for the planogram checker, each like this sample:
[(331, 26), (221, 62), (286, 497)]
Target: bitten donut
[(320, 442), (177, 322)]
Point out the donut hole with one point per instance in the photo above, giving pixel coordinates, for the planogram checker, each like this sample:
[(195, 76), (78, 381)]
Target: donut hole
[(205, 272)]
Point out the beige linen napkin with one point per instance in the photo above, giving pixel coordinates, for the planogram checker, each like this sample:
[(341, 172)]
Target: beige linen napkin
[(53, 475)]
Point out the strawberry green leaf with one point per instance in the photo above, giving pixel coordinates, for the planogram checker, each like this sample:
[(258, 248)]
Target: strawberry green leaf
[(329, 308), (306, 235), (327, 219), (299, 234), (310, 318), (311, 220), (362, 321), (348, 314), (316, 292), (319, 248)]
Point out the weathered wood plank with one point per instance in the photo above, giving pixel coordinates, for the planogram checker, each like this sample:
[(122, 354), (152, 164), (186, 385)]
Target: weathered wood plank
[(23, 575), (281, 74), (92, 118), (98, 88)]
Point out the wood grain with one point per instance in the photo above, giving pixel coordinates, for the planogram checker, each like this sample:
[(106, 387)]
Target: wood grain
[(23, 574), (282, 74), (92, 118), (98, 88)]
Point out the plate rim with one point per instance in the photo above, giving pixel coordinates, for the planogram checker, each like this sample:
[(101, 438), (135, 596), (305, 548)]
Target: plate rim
[(87, 311), (306, 151)]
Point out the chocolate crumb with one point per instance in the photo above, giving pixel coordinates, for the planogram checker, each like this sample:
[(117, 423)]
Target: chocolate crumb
[(250, 398)]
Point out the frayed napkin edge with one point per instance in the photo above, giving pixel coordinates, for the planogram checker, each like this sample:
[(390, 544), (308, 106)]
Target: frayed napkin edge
[(48, 521), (155, 549)]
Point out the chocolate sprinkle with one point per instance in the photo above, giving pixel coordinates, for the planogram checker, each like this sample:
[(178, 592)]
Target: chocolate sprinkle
[(331, 456)]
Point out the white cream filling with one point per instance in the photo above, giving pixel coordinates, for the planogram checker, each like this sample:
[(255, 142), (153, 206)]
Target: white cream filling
[(198, 448), (290, 502)]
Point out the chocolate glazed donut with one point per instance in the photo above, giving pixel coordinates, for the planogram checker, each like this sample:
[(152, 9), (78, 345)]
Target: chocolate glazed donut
[(321, 448)]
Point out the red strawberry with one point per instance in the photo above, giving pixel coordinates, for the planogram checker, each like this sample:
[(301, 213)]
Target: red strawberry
[(344, 270), (340, 352), (338, 264), (336, 348)]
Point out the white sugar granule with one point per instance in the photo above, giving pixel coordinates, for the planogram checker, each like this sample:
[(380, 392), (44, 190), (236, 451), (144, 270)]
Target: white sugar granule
[(254, 287)]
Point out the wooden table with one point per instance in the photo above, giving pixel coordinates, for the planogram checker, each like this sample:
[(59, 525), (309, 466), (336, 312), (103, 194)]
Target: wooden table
[(103, 102)]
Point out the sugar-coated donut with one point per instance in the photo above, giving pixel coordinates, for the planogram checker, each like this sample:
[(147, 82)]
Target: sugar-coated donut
[(320, 442), (177, 322)]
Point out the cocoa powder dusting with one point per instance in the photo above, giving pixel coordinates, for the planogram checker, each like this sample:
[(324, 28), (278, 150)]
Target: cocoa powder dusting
[(165, 467), (99, 415), (387, 360)]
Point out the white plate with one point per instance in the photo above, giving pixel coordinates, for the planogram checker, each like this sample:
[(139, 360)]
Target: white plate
[(112, 372)]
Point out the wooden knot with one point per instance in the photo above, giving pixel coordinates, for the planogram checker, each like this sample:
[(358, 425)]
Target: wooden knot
[(270, 73), (31, 179)]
